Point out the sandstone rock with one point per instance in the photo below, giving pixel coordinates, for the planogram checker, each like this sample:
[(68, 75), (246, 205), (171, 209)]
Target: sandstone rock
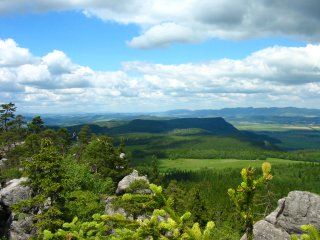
[(14, 192), (2, 161), (264, 230), (20, 229), (297, 209), (15, 227), (127, 180)]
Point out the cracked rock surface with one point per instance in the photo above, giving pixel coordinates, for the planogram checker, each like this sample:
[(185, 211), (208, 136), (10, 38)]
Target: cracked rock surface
[(127, 180), (11, 226), (297, 209)]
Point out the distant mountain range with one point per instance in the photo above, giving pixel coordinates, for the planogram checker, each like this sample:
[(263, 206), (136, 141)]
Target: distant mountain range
[(288, 115), (239, 112)]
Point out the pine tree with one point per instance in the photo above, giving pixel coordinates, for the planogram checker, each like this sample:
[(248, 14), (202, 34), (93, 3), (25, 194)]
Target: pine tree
[(63, 140), (105, 159), (197, 206), (36, 125), (45, 177), (6, 114)]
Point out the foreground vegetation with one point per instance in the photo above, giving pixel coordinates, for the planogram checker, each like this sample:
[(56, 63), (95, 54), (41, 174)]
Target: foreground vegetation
[(77, 170)]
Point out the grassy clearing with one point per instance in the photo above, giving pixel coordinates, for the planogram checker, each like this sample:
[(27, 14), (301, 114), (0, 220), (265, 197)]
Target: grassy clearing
[(197, 164), (272, 127)]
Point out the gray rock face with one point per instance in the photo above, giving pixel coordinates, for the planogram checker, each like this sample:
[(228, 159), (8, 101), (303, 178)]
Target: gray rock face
[(14, 192), (297, 209), (2, 161), (16, 227), (264, 230), (127, 180), (21, 229)]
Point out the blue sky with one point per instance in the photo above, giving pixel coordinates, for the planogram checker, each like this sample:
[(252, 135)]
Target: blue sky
[(155, 55)]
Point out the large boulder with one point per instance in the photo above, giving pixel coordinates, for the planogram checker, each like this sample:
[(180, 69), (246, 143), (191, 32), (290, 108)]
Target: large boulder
[(14, 192), (125, 183), (264, 230), (124, 186), (15, 226), (297, 209), (21, 228)]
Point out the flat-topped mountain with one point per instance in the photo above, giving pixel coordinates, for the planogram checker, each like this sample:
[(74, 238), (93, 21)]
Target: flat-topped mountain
[(199, 126), (213, 125)]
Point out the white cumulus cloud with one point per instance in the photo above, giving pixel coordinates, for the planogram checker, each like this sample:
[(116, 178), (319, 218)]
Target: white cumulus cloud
[(194, 20), (275, 76)]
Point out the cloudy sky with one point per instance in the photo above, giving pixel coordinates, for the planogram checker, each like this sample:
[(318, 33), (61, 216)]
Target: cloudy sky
[(153, 55)]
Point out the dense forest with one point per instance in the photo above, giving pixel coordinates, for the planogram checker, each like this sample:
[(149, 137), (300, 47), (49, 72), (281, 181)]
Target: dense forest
[(77, 168)]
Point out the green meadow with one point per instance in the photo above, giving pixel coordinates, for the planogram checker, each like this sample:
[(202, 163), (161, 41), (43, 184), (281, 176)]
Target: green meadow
[(198, 164)]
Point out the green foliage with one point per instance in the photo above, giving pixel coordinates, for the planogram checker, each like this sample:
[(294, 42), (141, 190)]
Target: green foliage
[(6, 114), (63, 140), (33, 143), (79, 177), (177, 194), (243, 196), (137, 204), (68, 185), (45, 174), (84, 135), (311, 233), (151, 170), (9, 173), (82, 204), (105, 159), (198, 206), (184, 164), (45, 171), (141, 147), (137, 185), (155, 170), (36, 125), (213, 185), (163, 223), (50, 218)]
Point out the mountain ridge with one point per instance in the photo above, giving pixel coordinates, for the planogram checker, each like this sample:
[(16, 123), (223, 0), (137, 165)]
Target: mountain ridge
[(287, 115)]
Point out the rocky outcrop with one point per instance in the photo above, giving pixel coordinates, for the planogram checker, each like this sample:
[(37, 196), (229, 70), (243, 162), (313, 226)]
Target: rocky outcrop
[(14, 226), (125, 183), (21, 228), (297, 209), (14, 192), (124, 187), (3, 158)]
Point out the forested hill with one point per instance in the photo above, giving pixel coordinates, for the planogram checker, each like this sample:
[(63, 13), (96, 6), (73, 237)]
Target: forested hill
[(213, 125), (216, 126)]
